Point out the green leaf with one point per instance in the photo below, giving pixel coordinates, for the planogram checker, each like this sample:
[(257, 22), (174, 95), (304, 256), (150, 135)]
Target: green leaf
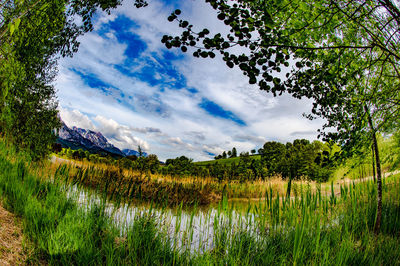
[(12, 28), (17, 22)]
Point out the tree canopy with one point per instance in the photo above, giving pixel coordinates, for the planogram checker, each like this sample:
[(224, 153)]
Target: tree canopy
[(341, 54), (33, 34), (345, 55)]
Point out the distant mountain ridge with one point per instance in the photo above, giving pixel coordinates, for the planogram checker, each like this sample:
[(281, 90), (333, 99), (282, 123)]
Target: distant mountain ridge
[(94, 142)]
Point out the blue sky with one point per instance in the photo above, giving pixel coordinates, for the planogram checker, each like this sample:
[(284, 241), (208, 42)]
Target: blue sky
[(126, 84)]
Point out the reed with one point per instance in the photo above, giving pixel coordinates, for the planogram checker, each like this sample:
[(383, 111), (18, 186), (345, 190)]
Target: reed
[(312, 226)]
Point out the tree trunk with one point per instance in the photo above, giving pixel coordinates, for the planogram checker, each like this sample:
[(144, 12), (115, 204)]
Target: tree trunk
[(378, 171), (379, 183), (373, 164)]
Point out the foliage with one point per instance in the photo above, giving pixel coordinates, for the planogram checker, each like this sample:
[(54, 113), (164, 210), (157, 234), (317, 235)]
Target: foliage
[(345, 56), (32, 35), (300, 159), (310, 228), (27, 67)]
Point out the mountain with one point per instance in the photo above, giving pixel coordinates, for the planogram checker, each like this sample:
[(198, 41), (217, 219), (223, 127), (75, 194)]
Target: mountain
[(94, 142), (98, 140), (129, 152)]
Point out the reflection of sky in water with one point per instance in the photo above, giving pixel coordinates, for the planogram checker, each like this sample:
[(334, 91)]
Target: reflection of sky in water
[(193, 229), (190, 229)]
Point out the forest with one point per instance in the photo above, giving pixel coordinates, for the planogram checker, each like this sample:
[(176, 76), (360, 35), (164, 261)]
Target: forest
[(330, 202)]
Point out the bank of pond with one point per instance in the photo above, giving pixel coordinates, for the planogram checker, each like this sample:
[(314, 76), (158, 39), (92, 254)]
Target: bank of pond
[(71, 222)]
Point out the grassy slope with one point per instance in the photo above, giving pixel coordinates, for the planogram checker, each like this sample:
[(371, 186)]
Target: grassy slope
[(227, 161)]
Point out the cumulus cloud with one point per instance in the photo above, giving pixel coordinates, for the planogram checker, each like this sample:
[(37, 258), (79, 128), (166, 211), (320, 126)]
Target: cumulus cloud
[(196, 135), (250, 138), (76, 118), (153, 99), (147, 130), (178, 142), (302, 133), (120, 135), (212, 149)]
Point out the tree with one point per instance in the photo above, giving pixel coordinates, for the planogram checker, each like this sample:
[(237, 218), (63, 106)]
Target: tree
[(234, 153), (343, 54), (153, 163), (272, 156), (27, 67), (32, 34)]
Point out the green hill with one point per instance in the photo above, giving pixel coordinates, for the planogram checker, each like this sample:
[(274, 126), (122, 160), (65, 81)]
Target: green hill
[(227, 161)]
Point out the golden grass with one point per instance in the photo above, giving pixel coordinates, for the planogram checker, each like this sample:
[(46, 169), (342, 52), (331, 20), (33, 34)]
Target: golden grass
[(131, 184)]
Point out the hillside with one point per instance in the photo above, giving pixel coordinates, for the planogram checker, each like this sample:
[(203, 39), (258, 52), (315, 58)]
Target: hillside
[(227, 161)]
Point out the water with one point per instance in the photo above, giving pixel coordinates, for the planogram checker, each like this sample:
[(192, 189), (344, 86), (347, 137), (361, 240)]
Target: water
[(189, 229)]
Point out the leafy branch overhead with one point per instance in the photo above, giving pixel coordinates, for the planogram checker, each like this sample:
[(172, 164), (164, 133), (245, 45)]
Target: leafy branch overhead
[(313, 49), (344, 55)]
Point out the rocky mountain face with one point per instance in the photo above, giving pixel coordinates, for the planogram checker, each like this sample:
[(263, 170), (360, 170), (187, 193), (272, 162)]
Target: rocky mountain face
[(94, 142)]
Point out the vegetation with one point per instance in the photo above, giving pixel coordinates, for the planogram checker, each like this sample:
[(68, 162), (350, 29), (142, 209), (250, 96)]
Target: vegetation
[(33, 34), (124, 180), (309, 228), (300, 159), (343, 55)]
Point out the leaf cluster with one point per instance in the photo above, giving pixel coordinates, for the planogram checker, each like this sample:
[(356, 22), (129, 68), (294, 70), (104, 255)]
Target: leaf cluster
[(344, 55)]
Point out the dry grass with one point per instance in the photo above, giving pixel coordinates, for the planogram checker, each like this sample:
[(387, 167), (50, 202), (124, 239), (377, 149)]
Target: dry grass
[(186, 189), (11, 248)]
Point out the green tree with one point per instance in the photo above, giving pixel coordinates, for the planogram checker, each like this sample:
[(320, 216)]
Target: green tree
[(153, 163), (272, 155), (32, 34), (342, 54), (234, 153)]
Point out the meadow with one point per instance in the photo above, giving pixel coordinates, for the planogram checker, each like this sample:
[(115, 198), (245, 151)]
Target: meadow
[(311, 227)]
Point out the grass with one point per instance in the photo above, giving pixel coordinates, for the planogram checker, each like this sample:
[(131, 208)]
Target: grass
[(361, 166), (125, 185), (227, 161), (313, 227)]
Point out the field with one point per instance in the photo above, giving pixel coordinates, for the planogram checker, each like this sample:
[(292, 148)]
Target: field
[(227, 161), (311, 227)]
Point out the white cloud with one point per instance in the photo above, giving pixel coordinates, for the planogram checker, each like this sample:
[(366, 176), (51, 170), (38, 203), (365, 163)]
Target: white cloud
[(120, 135), (76, 118), (167, 120), (212, 149)]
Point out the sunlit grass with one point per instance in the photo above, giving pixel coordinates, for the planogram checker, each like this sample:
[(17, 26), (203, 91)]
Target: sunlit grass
[(313, 226)]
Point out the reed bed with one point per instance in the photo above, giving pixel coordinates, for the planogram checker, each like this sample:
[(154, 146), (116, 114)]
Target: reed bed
[(127, 185), (312, 226)]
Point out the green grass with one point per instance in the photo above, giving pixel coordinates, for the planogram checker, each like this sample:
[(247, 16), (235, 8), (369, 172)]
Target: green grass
[(310, 229), (227, 161)]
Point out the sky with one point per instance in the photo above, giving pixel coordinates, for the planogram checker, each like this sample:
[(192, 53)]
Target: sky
[(124, 83)]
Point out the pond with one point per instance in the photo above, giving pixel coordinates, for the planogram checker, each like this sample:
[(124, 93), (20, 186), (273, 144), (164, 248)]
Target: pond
[(190, 229)]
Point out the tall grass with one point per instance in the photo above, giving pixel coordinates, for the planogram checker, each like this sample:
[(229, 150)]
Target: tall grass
[(312, 226), (127, 185)]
